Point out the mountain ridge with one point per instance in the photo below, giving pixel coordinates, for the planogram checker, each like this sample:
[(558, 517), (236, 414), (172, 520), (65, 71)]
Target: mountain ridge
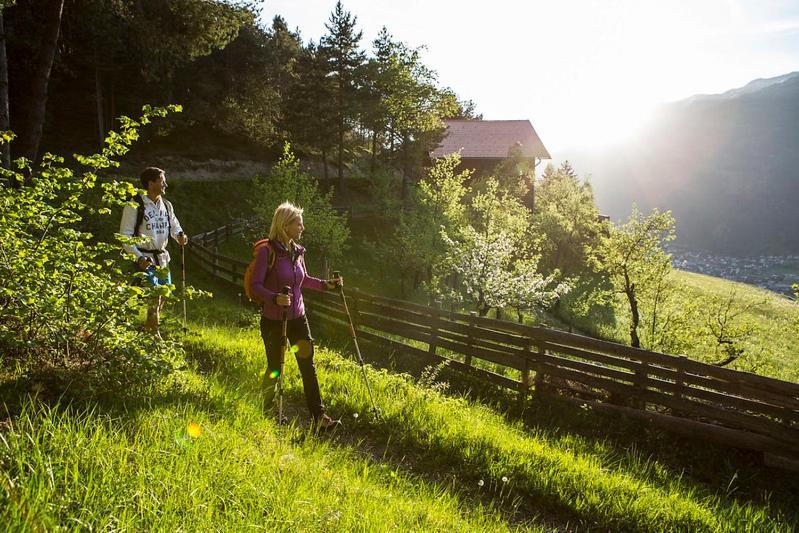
[(727, 165)]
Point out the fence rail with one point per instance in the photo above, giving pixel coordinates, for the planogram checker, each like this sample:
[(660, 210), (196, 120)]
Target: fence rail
[(732, 407)]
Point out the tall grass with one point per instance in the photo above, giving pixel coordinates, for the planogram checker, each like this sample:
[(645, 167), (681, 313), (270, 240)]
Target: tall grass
[(145, 471), (563, 478)]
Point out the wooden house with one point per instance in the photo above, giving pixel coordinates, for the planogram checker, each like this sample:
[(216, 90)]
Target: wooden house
[(483, 144)]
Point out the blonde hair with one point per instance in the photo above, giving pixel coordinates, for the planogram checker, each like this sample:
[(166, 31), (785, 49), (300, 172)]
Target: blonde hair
[(284, 215)]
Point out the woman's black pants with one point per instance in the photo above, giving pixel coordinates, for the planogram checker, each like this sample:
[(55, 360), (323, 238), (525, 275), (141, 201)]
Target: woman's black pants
[(299, 335)]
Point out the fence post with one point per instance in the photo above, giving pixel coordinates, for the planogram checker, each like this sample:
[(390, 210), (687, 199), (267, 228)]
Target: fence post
[(435, 315), (641, 377), (540, 375), (524, 388), (679, 384), (470, 337), (679, 381)]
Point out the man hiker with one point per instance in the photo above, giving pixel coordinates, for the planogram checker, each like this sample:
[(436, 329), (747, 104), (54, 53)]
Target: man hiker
[(153, 218)]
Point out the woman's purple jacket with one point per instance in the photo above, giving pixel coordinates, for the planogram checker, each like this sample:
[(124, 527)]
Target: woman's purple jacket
[(287, 270)]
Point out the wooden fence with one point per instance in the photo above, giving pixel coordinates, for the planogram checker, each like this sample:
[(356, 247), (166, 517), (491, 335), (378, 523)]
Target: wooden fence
[(735, 408)]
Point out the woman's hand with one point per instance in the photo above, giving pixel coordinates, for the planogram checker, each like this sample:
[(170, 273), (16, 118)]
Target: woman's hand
[(283, 300), (334, 283)]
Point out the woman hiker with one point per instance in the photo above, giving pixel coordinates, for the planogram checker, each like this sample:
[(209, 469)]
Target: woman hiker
[(268, 279)]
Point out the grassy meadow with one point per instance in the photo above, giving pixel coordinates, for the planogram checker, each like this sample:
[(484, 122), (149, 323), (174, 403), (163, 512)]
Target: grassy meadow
[(763, 323), (197, 453)]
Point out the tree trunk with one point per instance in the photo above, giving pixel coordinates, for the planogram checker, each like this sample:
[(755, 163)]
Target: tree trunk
[(405, 184), (373, 162), (31, 129), (340, 157), (629, 291), (112, 105), (98, 87), (324, 167), (5, 119), (340, 134)]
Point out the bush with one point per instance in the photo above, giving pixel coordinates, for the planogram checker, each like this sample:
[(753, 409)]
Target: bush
[(326, 231), (67, 308)]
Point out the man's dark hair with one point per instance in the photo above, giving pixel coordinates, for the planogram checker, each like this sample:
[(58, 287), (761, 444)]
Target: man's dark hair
[(150, 174)]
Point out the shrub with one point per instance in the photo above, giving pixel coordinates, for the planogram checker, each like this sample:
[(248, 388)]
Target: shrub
[(68, 309)]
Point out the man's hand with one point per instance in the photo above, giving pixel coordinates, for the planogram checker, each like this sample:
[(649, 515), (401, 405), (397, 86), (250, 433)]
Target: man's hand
[(283, 300), (183, 239), (144, 262)]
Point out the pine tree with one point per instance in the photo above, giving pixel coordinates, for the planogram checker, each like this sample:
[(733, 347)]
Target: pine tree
[(345, 60)]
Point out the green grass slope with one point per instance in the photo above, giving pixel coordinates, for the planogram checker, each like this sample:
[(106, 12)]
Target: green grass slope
[(764, 324), (431, 462)]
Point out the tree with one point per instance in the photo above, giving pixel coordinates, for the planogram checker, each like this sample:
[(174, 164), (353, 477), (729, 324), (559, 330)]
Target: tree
[(327, 232), (5, 120), (345, 59), (634, 259), (310, 108), (566, 226), (516, 173), (235, 89), (436, 203), (490, 259), (40, 54)]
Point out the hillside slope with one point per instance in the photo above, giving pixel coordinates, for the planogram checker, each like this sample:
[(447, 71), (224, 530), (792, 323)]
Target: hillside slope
[(431, 461), (727, 165)]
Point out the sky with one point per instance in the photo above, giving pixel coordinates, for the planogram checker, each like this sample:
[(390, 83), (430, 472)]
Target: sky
[(586, 73)]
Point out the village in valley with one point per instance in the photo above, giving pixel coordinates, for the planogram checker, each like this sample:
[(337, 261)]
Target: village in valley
[(773, 272)]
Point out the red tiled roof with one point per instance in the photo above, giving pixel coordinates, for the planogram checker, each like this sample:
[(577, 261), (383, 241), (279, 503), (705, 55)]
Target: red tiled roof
[(490, 139)]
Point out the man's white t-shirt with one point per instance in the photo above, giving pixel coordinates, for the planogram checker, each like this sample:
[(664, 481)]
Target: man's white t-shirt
[(154, 225)]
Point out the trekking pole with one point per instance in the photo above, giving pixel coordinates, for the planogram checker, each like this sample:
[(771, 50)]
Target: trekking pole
[(337, 275), (283, 343), (183, 281)]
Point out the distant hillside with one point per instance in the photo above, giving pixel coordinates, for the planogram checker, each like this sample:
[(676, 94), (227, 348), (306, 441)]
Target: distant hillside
[(727, 165)]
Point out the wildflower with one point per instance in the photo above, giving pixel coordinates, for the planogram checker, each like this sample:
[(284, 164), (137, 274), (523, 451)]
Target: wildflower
[(480, 483), (354, 415), (194, 430), (504, 479)]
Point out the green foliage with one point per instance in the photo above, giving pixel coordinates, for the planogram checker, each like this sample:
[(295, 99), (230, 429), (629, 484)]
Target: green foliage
[(566, 226), (402, 104), (416, 244), (634, 260), (327, 232), (66, 304), (515, 174)]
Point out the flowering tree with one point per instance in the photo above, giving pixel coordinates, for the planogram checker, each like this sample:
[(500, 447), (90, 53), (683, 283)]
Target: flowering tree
[(491, 259)]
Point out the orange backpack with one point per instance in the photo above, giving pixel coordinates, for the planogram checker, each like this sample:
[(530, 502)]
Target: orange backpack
[(248, 273)]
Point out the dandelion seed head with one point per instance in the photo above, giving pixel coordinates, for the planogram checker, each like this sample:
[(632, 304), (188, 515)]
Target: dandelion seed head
[(504, 479), (354, 415), (480, 483)]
